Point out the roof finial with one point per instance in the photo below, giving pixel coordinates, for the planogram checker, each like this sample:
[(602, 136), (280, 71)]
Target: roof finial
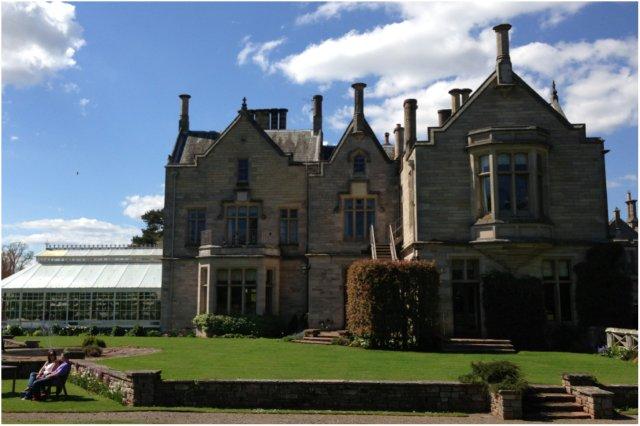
[(555, 103), (554, 95), (244, 103)]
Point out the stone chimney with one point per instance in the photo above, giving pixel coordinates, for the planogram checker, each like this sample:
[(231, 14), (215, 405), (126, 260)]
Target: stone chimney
[(410, 107), (317, 114), (503, 61), (464, 96), (358, 108), (399, 148), (455, 100), (262, 118), (386, 138), (632, 217), (443, 116), (616, 214), (183, 124), (282, 118)]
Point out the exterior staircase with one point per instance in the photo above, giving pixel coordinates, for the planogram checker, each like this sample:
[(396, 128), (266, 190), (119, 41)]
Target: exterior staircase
[(321, 337), (383, 252), (542, 403), (493, 346)]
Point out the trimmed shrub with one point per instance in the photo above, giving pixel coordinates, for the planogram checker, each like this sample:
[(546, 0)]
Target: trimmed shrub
[(94, 351), (393, 305), (14, 330), (137, 331), (118, 331), (93, 330), (220, 325), (603, 288), (93, 341), (496, 375), (154, 333), (514, 309), (55, 329)]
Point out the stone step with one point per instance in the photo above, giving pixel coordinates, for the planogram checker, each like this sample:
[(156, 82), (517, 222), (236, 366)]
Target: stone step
[(556, 415), (477, 340), (482, 345), (468, 350), (543, 397), (553, 406), (311, 342), (546, 389), (318, 338)]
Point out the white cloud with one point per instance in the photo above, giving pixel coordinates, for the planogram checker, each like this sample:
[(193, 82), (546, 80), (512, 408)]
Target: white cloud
[(628, 179), (137, 205), (83, 103), (333, 10), (14, 138), (72, 231), (422, 56), (258, 53), (70, 87), (38, 39)]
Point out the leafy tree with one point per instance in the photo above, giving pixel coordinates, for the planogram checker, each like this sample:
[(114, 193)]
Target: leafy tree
[(152, 234), (15, 256)]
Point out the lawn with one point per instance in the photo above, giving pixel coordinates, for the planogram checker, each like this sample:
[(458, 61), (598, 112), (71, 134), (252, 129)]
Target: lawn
[(195, 358)]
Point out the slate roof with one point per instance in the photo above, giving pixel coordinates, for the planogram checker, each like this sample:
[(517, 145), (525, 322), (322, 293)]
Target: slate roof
[(192, 143), (620, 230), (303, 144)]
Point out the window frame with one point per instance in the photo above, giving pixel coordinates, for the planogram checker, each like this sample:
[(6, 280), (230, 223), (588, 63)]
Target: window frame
[(287, 223), (556, 282), (353, 212), (233, 220), (230, 284), (243, 171), (359, 165), (199, 224)]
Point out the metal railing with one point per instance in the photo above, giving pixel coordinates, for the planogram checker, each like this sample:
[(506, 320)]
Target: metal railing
[(372, 240), (392, 244)]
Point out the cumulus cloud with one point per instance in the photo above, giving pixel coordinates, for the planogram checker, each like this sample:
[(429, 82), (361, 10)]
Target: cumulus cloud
[(258, 53), (38, 39), (626, 180), (84, 103), (14, 138), (137, 205), (333, 10), (70, 87), (421, 55), (70, 231)]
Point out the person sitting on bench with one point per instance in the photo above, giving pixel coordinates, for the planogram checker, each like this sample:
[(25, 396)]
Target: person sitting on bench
[(35, 390), (49, 367)]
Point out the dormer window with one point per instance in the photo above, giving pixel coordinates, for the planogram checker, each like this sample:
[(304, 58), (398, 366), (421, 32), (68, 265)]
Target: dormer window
[(359, 165)]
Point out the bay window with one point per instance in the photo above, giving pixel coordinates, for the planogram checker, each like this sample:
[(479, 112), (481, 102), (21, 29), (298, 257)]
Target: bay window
[(236, 291)]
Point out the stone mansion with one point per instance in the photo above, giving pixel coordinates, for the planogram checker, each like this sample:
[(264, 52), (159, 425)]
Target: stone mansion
[(261, 219)]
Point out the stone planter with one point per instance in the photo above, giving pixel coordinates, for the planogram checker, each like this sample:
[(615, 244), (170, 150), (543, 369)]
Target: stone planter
[(506, 404)]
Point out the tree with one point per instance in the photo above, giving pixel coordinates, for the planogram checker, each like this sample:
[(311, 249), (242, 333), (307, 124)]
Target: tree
[(152, 234), (15, 256)]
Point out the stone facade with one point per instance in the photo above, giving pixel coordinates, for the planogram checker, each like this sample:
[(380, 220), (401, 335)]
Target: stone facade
[(506, 404), (504, 182)]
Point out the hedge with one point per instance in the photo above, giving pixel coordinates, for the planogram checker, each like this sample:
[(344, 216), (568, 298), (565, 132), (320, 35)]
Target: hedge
[(393, 304), (226, 325), (603, 290), (514, 309)]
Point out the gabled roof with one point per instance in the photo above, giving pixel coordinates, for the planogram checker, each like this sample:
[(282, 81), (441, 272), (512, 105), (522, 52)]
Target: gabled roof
[(302, 144), (192, 143), (368, 131), (620, 230), (517, 81)]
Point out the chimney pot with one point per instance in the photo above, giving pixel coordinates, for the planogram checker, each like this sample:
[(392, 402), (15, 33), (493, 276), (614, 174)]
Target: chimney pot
[(616, 214), (455, 100), (386, 138), (399, 148), (503, 61), (317, 114), (632, 215), (410, 107), (443, 116), (183, 124), (464, 95), (358, 110)]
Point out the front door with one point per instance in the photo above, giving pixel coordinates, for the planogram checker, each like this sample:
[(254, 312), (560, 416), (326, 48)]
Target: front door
[(466, 317)]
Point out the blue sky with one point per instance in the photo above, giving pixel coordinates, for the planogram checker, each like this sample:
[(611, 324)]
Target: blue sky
[(89, 117)]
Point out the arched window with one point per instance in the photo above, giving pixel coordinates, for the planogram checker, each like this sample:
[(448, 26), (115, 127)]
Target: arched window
[(359, 165)]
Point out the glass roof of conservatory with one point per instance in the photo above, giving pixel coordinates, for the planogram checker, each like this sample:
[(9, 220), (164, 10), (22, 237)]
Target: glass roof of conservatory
[(90, 267)]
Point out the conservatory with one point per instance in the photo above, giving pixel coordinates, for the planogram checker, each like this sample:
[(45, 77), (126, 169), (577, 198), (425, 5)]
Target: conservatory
[(85, 286)]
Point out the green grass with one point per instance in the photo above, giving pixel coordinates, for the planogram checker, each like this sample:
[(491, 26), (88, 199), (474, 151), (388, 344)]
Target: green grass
[(195, 358)]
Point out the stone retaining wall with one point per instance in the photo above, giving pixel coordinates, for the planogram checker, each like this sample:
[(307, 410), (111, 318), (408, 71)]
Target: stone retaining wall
[(325, 394), (624, 396)]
